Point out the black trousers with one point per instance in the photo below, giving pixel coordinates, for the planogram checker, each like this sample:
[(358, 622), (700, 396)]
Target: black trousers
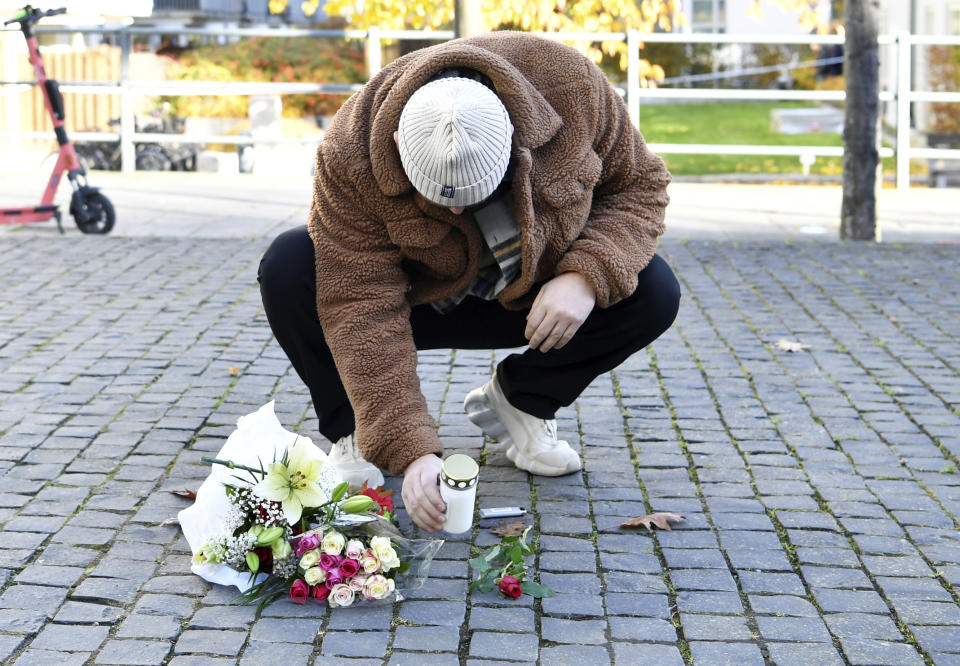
[(534, 382)]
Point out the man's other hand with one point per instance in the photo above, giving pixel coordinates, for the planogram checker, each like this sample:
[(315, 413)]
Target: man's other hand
[(560, 308), (421, 493)]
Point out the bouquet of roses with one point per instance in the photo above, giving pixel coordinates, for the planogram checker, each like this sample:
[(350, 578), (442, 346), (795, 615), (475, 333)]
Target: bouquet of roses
[(289, 528), (340, 569)]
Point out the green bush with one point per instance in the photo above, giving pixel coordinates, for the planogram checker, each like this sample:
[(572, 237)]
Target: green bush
[(299, 59)]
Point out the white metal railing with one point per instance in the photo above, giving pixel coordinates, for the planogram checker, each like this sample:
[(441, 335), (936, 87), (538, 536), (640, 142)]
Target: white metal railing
[(903, 94)]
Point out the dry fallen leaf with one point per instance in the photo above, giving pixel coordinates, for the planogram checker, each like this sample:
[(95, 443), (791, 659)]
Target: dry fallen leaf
[(505, 529), (188, 494), (659, 519), (234, 371), (791, 346), (379, 490)]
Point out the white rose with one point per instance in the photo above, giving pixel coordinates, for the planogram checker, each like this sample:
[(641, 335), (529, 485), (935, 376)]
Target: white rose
[(309, 559), (354, 549), (377, 587), (386, 554), (340, 595), (333, 543), (390, 560), (315, 576), (370, 562)]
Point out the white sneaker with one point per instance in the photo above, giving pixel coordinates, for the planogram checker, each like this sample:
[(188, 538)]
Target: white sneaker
[(345, 456), (532, 443)]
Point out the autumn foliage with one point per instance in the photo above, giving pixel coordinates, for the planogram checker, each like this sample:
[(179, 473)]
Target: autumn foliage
[(534, 15), (273, 59), (944, 64)]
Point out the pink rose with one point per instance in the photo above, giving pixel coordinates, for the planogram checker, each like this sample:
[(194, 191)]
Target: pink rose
[(309, 542), (320, 592), (299, 592), (357, 582), (354, 549), (333, 578), (340, 595), (349, 568), (329, 562)]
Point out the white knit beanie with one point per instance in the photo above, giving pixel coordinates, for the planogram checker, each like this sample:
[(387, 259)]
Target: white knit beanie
[(454, 140)]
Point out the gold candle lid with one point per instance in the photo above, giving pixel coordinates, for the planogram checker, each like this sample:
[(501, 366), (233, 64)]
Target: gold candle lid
[(459, 471)]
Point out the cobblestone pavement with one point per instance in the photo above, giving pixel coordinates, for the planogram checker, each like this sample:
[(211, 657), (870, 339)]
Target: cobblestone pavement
[(820, 488)]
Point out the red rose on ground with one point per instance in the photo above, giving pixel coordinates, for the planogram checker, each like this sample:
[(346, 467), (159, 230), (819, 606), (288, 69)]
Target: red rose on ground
[(510, 587), (320, 592), (385, 501), (299, 592)]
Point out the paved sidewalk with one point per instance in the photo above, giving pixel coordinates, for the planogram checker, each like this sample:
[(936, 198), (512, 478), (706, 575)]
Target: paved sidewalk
[(820, 488)]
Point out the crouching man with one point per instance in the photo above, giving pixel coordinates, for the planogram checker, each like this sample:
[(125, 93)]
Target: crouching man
[(488, 192)]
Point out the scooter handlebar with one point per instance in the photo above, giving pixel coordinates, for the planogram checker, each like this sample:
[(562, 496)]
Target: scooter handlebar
[(31, 15), (17, 19)]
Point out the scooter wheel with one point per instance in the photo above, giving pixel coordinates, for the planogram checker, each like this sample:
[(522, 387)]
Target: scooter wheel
[(92, 212)]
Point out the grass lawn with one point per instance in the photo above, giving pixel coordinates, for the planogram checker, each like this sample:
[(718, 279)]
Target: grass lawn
[(736, 123)]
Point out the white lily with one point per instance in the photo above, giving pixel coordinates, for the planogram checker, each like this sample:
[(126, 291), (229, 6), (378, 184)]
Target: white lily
[(293, 484)]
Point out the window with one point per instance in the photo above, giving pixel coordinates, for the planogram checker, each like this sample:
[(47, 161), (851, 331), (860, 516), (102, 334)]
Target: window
[(955, 20), (708, 15), (702, 11)]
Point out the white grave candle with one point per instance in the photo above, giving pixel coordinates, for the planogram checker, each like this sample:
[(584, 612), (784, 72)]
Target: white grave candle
[(458, 488)]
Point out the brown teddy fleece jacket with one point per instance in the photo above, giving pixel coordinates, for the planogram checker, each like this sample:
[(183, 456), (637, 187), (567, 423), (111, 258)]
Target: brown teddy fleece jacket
[(590, 198)]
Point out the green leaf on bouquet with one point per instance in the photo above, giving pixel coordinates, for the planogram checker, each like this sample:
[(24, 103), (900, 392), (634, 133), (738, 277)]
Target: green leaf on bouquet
[(480, 564), (404, 566), (536, 590), (516, 555), (339, 492), (253, 562)]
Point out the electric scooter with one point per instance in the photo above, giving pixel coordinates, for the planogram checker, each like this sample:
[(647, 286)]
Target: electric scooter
[(93, 212)]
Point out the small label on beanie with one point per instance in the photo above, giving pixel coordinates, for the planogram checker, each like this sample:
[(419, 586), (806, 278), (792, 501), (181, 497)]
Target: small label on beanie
[(447, 191)]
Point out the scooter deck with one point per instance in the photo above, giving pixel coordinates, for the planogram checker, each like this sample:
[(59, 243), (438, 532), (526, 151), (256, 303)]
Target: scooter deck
[(29, 214)]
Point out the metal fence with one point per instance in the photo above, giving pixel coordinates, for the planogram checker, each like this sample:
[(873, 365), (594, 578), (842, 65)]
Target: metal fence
[(903, 95)]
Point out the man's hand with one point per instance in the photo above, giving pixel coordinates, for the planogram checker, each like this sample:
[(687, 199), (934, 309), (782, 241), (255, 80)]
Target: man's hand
[(562, 305), (421, 493)]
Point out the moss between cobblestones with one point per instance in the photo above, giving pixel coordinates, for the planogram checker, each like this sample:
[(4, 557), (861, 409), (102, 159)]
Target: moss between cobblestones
[(682, 644)]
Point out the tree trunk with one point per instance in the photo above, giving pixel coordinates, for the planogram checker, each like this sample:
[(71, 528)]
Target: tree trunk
[(467, 18), (861, 123)]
